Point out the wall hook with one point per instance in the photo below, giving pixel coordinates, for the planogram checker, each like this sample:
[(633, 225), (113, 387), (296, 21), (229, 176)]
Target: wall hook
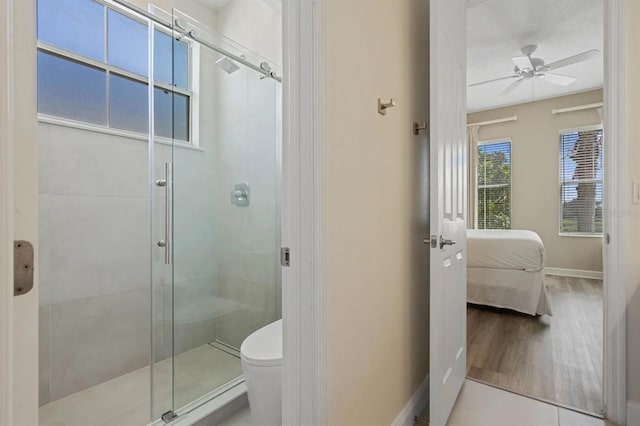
[(382, 107), (417, 127)]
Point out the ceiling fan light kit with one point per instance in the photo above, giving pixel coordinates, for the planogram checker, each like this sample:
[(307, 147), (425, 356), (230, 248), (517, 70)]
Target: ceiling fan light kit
[(528, 67)]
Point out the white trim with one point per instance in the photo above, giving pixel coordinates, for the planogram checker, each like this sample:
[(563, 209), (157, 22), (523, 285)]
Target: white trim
[(633, 413), (6, 220), (303, 289), (414, 407), (576, 108), (615, 193), (496, 121), (577, 273)]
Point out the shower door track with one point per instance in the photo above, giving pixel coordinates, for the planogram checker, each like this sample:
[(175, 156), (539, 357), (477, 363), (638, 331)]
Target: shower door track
[(266, 71)]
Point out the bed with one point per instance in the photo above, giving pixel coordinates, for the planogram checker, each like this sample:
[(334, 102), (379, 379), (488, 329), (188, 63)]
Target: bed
[(505, 269)]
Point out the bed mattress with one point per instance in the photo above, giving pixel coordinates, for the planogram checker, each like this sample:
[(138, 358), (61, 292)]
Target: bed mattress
[(505, 269), (505, 249)]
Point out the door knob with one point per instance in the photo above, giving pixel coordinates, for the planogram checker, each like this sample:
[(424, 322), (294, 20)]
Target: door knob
[(445, 242)]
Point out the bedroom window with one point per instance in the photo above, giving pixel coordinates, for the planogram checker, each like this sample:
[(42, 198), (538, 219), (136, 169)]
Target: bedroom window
[(494, 185), (581, 160), (93, 68)]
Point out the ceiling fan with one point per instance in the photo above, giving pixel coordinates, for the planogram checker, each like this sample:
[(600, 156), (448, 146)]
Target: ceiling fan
[(528, 67)]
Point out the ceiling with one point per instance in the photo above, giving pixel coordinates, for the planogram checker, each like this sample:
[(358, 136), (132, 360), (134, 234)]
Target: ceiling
[(215, 4), (498, 29)]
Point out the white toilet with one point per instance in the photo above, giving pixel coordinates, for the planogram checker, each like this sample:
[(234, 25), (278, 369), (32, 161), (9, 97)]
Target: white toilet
[(261, 355)]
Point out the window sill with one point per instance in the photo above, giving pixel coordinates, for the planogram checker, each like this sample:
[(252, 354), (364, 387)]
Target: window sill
[(43, 118), (579, 235)]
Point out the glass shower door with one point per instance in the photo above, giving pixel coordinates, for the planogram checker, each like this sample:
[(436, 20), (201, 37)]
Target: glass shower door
[(225, 198)]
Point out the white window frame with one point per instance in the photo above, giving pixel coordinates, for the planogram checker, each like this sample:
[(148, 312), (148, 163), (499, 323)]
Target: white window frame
[(491, 142), (192, 92), (562, 233)]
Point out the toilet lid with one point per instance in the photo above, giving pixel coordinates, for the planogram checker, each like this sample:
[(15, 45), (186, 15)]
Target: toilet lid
[(264, 346)]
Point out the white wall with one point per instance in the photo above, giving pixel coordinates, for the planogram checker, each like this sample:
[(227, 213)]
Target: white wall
[(256, 25), (376, 203)]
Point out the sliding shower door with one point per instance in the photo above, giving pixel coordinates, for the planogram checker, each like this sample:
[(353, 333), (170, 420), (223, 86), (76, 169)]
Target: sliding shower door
[(223, 234)]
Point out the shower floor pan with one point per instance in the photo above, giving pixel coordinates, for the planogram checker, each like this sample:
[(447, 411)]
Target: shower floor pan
[(125, 400)]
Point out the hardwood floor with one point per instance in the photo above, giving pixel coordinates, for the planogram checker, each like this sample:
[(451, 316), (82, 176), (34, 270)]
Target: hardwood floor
[(557, 358)]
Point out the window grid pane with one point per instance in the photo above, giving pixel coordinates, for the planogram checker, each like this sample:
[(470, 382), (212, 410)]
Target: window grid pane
[(128, 43), (494, 186), (73, 25), (72, 90), (128, 101), (581, 174)]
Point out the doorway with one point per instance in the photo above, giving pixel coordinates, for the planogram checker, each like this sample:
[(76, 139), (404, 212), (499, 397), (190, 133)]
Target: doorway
[(535, 271)]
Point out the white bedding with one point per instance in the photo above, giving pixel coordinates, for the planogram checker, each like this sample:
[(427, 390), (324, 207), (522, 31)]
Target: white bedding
[(505, 269), (505, 249)]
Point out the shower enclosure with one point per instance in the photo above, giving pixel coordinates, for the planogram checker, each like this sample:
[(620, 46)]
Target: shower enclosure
[(159, 218)]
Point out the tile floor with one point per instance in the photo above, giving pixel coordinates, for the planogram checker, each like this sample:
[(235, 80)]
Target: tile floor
[(126, 399), (480, 405)]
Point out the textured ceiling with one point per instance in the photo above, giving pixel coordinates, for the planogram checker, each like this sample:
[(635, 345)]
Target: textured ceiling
[(497, 29)]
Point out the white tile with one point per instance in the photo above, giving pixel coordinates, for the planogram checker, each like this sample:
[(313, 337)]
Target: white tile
[(263, 162), (262, 95), (233, 96), (97, 339), (81, 162), (44, 250), (99, 245), (480, 405), (44, 362), (572, 418)]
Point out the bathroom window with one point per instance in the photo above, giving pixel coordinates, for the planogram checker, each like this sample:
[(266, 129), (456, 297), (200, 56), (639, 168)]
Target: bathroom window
[(494, 185), (93, 68)]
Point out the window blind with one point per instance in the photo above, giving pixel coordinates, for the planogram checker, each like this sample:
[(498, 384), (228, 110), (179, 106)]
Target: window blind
[(581, 161), (494, 185)]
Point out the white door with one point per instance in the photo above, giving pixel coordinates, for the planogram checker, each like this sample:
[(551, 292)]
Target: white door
[(448, 318)]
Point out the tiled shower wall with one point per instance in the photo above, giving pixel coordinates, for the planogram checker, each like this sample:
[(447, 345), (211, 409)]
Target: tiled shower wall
[(95, 255)]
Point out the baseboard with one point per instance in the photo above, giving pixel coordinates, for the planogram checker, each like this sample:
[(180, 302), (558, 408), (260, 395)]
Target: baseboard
[(633, 413), (414, 407), (577, 273)]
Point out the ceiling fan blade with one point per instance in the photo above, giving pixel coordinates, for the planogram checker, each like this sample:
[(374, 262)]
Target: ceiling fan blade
[(511, 87), (580, 57), (493, 80), (559, 79), (523, 62)]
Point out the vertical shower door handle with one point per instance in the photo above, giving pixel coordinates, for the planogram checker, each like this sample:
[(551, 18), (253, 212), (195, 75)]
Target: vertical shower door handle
[(167, 184)]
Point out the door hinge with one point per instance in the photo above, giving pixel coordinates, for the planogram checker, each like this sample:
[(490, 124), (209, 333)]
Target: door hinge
[(22, 267), (607, 238), (285, 256)]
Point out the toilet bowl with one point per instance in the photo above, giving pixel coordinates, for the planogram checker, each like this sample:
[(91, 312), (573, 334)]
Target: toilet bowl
[(261, 358)]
